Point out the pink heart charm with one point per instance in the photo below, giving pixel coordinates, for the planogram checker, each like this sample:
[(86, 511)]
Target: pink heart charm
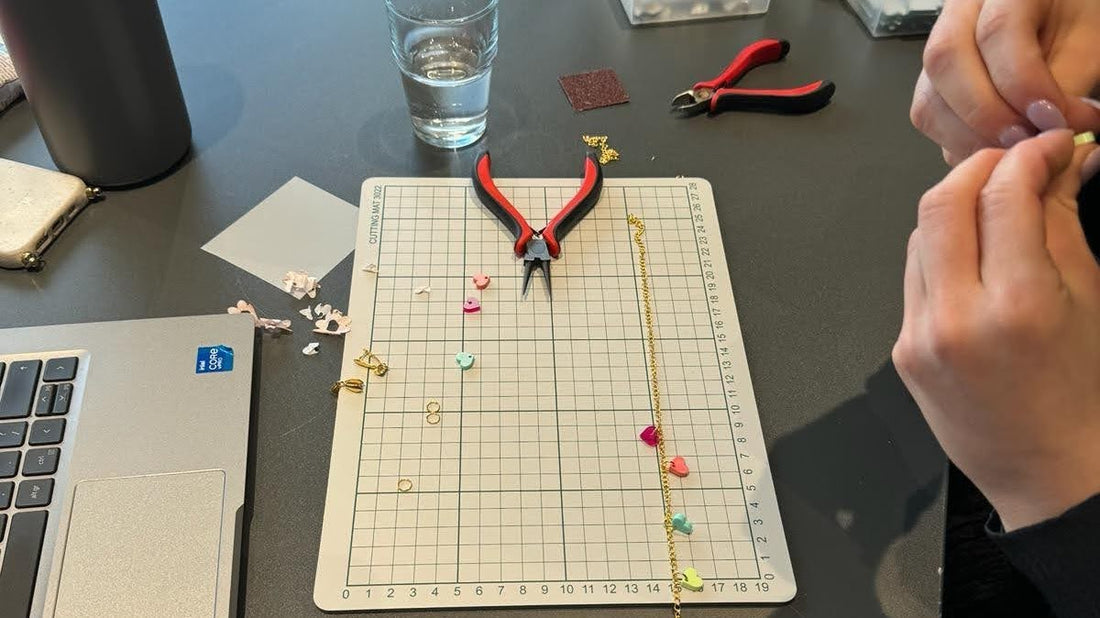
[(649, 435), (678, 466), (472, 305), (481, 281)]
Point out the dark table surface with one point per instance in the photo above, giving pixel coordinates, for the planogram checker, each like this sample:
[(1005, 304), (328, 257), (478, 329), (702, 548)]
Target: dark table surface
[(814, 210)]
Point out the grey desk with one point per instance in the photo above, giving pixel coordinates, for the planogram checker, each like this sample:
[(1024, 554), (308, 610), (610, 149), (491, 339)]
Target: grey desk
[(815, 212)]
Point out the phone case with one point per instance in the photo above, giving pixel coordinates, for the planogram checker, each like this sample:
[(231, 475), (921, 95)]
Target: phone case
[(36, 205)]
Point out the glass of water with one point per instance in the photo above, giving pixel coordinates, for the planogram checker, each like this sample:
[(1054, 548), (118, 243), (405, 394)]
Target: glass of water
[(445, 51)]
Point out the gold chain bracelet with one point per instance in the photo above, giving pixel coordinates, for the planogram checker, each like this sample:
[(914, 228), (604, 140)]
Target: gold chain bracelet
[(662, 460)]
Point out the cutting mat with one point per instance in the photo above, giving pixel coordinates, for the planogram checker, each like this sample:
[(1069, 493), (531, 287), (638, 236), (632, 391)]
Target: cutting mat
[(534, 488)]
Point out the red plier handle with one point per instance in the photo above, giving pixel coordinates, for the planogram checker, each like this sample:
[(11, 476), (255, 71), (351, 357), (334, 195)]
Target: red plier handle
[(558, 227), (499, 205), (764, 51)]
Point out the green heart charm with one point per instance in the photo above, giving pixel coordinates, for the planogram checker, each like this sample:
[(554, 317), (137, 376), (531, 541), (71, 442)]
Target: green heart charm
[(680, 522), (465, 360)]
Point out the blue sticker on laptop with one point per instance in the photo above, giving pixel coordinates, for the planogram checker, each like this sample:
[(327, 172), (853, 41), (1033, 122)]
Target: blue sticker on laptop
[(214, 359)]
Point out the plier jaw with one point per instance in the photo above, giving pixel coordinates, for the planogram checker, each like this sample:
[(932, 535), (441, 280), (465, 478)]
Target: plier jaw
[(536, 257), (719, 94), (692, 102)]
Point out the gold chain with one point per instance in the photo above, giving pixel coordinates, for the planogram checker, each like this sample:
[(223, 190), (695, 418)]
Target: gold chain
[(662, 461)]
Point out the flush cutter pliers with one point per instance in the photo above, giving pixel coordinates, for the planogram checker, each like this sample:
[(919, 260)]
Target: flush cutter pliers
[(719, 94)]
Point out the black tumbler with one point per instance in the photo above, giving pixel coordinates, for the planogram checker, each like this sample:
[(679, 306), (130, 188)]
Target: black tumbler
[(100, 78)]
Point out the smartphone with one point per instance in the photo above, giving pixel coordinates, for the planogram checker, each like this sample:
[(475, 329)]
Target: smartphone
[(36, 205)]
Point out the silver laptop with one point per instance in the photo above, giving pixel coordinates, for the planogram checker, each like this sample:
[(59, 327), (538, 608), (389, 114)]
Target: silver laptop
[(123, 450)]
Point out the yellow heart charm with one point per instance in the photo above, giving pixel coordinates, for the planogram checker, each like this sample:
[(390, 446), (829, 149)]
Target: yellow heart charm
[(690, 579)]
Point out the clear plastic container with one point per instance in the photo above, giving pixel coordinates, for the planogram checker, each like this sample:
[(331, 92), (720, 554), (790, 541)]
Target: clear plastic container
[(641, 12), (897, 17)]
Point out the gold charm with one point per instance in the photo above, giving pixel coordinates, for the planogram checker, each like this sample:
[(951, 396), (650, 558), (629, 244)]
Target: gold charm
[(433, 409), (404, 485), (606, 153), (354, 385), (368, 360)]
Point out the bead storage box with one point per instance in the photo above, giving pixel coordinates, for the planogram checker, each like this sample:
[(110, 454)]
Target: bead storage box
[(642, 12)]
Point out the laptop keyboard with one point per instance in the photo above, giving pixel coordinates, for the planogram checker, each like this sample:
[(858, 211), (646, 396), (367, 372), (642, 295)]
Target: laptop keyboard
[(34, 403)]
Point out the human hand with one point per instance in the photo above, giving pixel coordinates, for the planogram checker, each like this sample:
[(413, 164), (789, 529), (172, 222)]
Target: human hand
[(1000, 342), (997, 70)]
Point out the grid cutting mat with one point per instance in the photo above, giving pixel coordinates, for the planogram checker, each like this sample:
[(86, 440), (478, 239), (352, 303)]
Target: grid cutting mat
[(534, 488)]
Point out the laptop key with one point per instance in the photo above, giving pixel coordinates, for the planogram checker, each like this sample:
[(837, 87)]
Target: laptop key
[(9, 464), (41, 461), (15, 401), (6, 490), (20, 568), (61, 399), (33, 493), (44, 402), (12, 434), (47, 431), (59, 369)]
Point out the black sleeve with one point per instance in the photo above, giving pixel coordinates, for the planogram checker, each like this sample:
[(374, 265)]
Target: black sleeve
[(1061, 556), (1088, 203)]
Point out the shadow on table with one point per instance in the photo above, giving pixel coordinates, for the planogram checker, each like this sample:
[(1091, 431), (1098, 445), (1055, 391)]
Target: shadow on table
[(858, 484)]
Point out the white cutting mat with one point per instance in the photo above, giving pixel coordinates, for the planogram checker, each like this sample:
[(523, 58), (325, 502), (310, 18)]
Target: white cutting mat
[(534, 489)]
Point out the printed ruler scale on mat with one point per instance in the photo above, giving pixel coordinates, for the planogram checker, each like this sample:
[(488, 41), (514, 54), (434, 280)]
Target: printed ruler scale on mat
[(532, 488)]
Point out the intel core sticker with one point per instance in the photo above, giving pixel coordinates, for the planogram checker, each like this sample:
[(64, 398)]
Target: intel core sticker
[(214, 359)]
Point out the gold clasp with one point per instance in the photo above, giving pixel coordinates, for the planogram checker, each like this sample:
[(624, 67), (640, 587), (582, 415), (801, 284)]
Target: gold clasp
[(369, 360), (354, 385)]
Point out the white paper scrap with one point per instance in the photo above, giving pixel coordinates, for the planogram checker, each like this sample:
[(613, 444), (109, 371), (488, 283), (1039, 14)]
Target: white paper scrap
[(335, 323), (271, 325), (299, 284)]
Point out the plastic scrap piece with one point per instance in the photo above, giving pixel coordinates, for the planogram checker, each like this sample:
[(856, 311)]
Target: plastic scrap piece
[(681, 523), (311, 349), (678, 466), (472, 305), (424, 289), (481, 281), (465, 360), (271, 325), (690, 579), (649, 435), (306, 313), (1088, 137), (371, 268), (299, 284)]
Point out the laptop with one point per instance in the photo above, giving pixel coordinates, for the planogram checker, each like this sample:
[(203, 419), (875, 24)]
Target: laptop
[(123, 451)]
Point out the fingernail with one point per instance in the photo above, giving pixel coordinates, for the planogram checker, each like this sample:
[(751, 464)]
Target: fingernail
[(1013, 135), (1092, 102), (1045, 116), (1091, 166)]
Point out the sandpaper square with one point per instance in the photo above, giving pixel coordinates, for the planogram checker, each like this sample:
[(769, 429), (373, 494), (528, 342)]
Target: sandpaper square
[(599, 88)]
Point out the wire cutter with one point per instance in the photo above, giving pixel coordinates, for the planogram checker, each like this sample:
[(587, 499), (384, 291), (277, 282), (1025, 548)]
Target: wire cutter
[(719, 94), (537, 248)]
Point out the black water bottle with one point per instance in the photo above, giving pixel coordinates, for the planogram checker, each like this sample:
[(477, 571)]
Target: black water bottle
[(100, 78)]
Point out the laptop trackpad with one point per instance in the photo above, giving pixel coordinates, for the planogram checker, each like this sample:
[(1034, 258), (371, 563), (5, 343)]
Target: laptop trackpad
[(143, 546)]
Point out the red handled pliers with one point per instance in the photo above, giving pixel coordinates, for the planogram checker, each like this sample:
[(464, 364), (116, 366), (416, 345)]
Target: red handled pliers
[(537, 248), (719, 95)]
